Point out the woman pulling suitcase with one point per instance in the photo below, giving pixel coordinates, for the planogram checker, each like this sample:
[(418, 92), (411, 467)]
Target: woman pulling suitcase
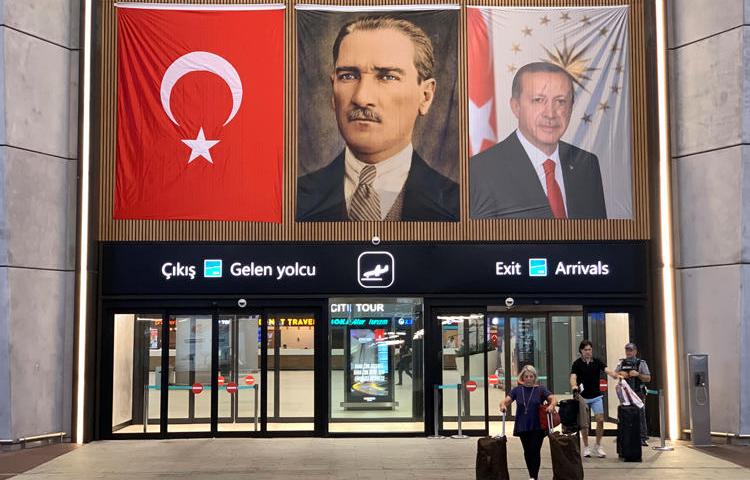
[(529, 397)]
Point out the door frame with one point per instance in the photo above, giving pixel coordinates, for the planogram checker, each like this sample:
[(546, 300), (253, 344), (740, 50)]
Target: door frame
[(547, 313), (636, 318), (105, 386), (320, 366), (215, 418), (434, 366)]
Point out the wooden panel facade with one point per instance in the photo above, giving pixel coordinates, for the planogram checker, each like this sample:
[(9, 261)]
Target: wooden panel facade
[(464, 230)]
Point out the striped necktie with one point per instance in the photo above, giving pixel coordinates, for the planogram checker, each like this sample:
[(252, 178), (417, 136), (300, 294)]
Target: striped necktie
[(365, 202)]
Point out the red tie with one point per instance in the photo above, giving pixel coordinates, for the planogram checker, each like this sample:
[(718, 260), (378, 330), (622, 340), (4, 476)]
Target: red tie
[(554, 195)]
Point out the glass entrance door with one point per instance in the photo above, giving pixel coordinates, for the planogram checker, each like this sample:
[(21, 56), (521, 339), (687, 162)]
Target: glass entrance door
[(291, 371), (528, 346), (188, 369), (136, 373), (468, 357), (209, 373), (546, 340), (238, 373)]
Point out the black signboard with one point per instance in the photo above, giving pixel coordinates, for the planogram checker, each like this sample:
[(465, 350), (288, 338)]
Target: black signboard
[(247, 269)]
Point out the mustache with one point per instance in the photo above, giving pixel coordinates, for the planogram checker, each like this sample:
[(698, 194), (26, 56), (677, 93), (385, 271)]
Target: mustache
[(360, 113)]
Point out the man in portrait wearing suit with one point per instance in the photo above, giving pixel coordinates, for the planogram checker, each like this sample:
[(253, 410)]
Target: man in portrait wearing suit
[(532, 174), (382, 82)]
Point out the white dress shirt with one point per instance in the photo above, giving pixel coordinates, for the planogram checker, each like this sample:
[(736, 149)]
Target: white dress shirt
[(538, 158), (389, 180)]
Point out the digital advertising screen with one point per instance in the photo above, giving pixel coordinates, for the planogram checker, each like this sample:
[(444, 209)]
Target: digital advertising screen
[(369, 367)]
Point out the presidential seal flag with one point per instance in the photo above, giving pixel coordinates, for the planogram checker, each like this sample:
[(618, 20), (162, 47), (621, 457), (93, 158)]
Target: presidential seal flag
[(200, 112)]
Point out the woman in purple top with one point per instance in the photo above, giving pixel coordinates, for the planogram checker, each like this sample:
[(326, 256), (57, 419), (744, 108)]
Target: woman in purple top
[(528, 397)]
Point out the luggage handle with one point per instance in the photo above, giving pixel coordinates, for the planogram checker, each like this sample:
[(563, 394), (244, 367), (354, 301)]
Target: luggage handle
[(504, 423), (502, 435), (550, 423)]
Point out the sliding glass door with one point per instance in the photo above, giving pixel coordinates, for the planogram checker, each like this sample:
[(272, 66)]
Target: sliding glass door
[(192, 372)]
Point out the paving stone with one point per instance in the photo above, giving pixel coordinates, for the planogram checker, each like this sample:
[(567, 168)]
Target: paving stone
[(348, 459)]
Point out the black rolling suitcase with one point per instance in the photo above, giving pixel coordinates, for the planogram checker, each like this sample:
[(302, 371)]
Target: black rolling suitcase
[(629, 433), (492, 457), (565, 451), (569, 415)]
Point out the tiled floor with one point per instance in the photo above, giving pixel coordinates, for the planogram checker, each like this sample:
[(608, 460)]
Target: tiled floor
[(347, 459)]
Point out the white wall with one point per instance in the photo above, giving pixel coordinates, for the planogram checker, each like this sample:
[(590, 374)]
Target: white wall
[(617, 328), (122, 369), (298, 337)]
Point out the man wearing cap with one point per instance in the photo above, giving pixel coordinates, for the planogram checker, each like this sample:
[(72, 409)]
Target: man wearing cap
[(635, 371)]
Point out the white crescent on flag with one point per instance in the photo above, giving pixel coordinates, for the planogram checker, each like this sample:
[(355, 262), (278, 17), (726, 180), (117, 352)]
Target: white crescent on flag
[(201, 62)]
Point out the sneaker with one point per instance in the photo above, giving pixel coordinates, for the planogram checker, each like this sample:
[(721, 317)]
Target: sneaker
[(587, 452), (599, 451), (644, 443)]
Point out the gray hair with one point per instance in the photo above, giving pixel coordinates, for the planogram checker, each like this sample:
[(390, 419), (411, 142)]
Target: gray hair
[(527, 369), (424, 57)]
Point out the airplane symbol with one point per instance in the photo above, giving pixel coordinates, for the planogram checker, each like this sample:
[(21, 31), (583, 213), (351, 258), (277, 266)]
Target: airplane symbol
[(376, 269), (375, 274)]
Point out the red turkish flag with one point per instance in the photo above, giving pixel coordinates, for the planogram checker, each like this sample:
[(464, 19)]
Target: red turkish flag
[(200, 113), (482, 121)]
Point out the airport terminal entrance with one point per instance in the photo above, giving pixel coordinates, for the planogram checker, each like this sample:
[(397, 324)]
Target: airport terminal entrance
[(255, 345), (369, 365), (224, 372)]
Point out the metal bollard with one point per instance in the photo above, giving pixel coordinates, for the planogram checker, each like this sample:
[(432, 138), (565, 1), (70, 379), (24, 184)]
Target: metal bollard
[(459, 435), (255, 387), (662, 426), (234, 404), (436, 400), (145, 409)]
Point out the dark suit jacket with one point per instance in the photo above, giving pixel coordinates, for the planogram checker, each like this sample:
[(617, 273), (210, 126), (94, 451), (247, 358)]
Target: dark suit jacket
[(427, 194), (504, 184)]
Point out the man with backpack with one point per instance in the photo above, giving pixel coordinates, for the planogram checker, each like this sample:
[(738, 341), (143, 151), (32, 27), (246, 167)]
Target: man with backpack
[(635, 371)]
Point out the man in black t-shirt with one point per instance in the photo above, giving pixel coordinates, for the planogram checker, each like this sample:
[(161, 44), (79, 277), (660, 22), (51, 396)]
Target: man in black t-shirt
[(584, 381)]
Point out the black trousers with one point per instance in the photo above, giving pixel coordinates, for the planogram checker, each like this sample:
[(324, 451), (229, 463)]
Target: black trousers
[(532, 448)]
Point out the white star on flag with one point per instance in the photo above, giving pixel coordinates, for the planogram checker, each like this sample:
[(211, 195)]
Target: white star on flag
[(200, 147), (479, 125)]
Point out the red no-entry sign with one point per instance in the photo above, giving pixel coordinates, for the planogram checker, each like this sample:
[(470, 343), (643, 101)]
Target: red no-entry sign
[(197, 388), (603, 385), (231, 387), (250, 380), (493, 380), (471, 385), (221, 381)]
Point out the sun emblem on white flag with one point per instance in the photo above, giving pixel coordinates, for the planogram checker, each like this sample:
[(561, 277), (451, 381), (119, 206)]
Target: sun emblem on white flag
[(571, 60)]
